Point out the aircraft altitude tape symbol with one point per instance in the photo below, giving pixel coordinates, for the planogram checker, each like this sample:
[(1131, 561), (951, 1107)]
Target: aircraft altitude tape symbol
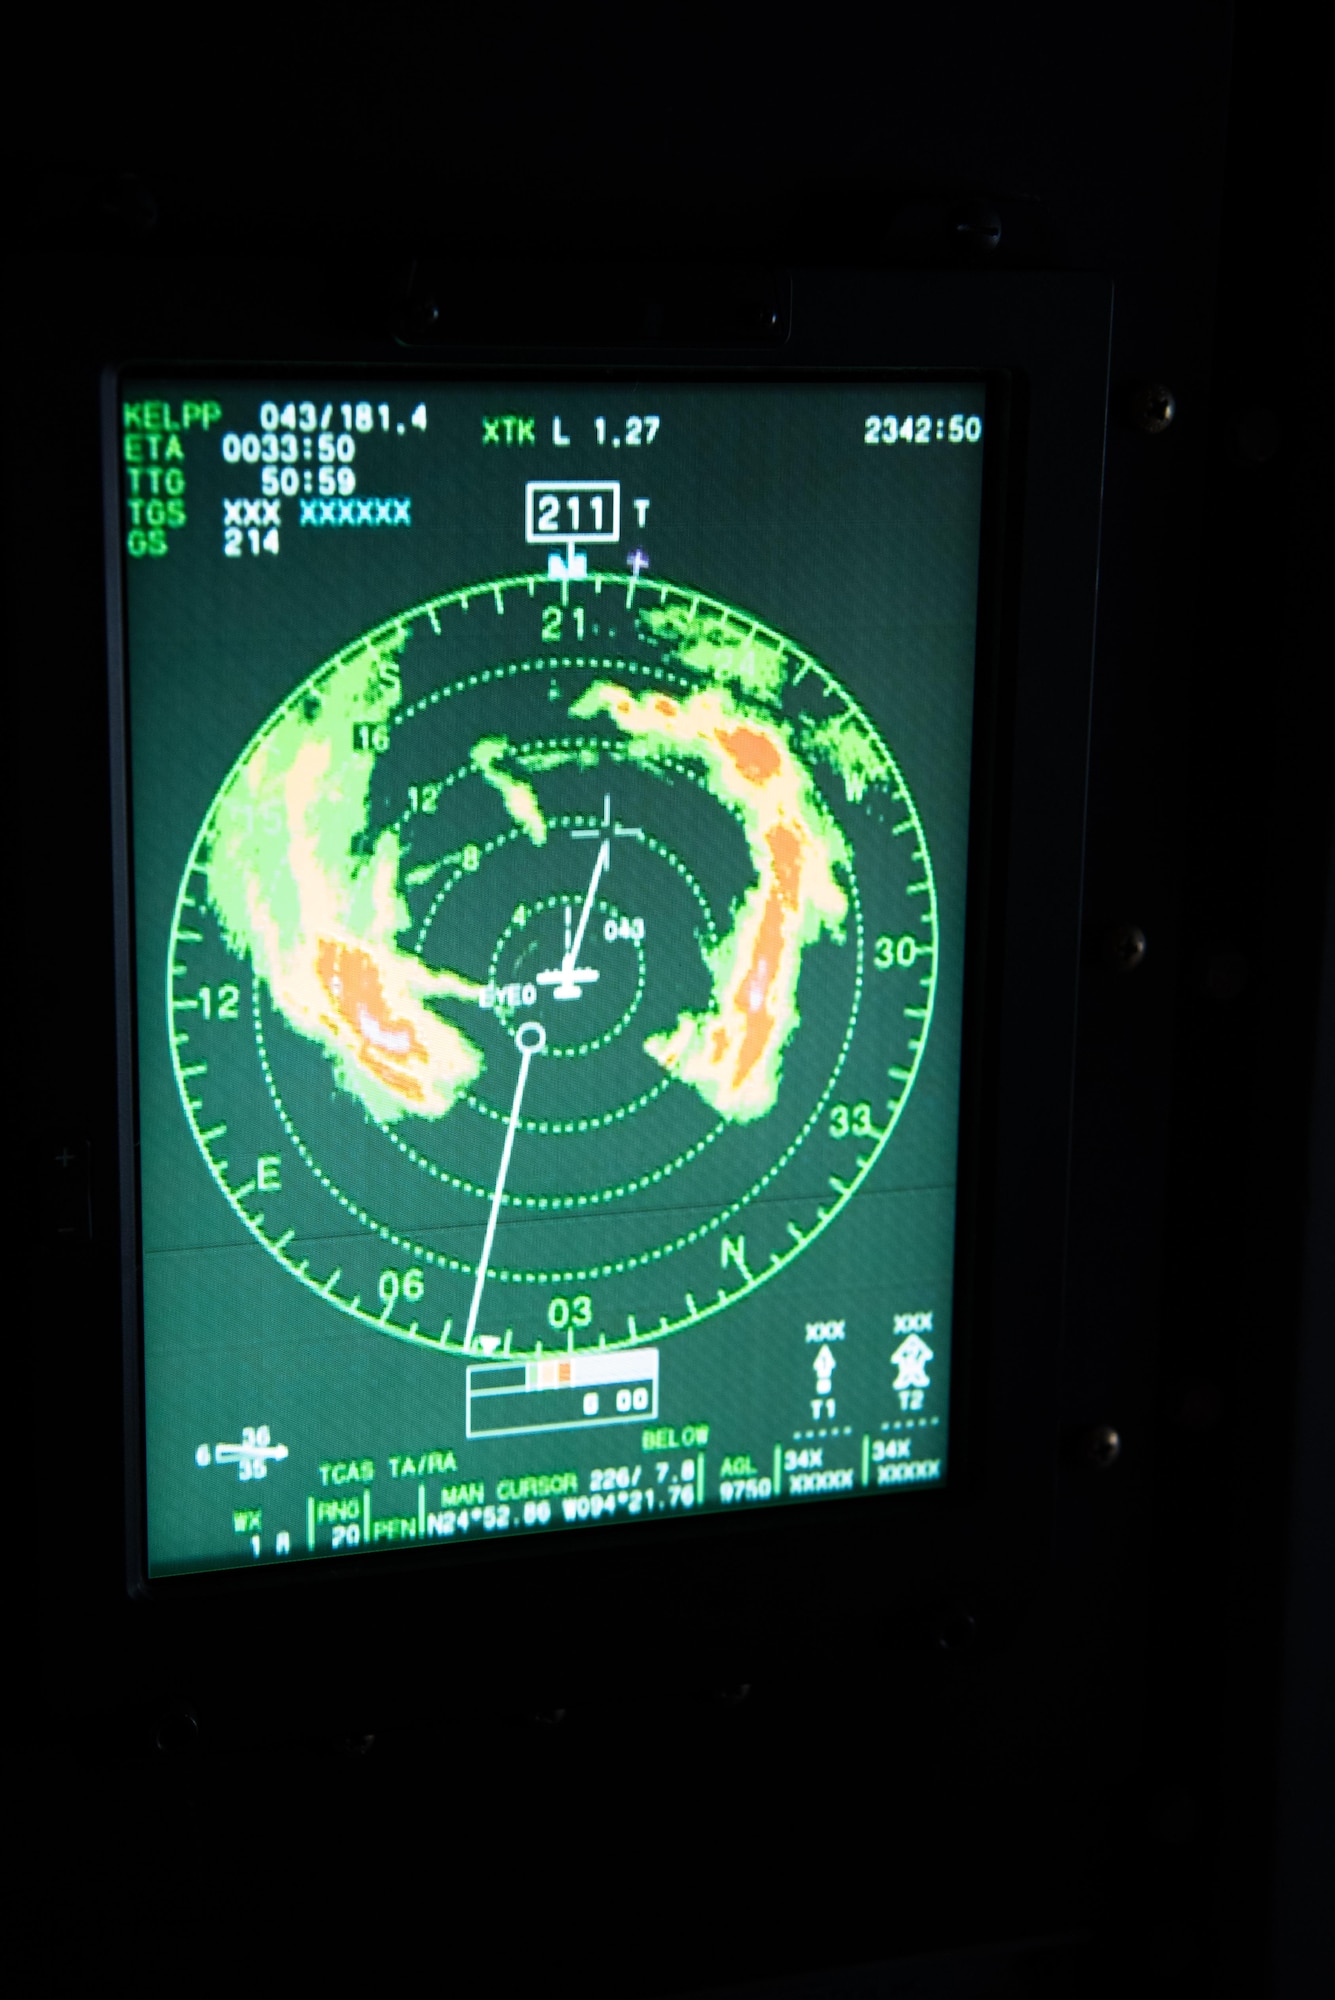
[(251, 1457)]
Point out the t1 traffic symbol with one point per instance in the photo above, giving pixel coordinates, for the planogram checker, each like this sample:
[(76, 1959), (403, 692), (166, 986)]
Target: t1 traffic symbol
[(822, 1403), (251, 1457)]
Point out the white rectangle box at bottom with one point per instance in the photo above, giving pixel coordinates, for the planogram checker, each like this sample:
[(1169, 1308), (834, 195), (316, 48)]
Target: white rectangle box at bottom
[(573, 1391)]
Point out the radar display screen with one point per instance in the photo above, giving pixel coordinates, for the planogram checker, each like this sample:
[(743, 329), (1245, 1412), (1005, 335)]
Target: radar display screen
[(550, 815)]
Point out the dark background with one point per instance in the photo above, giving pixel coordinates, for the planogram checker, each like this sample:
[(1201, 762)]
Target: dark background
[(1168, 1829)]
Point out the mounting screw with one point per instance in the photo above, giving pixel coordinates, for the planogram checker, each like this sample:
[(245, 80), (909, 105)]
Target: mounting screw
[(977, 230), (730, 1694), (1150, 407), (422, 320), (176, 1730), (1124, 949), (1101, 1447), (354, 1746), (956, 1629)]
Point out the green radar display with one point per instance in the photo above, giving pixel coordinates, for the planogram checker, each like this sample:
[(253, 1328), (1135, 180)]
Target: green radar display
[(556, 966), (555, 970)]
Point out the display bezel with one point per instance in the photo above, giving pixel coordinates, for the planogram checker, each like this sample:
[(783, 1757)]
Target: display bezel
[(847, 1523)]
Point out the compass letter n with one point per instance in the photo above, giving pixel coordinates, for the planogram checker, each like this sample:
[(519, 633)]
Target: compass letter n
[(733, 1251)]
